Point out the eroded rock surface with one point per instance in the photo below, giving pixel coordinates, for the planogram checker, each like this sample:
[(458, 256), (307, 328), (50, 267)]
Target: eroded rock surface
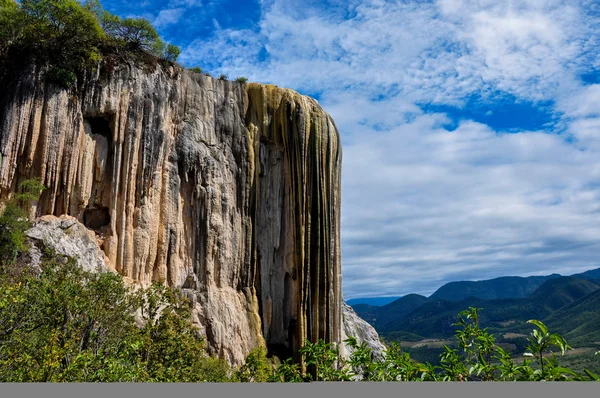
[(355, 326), (229, 191), (67, 237)]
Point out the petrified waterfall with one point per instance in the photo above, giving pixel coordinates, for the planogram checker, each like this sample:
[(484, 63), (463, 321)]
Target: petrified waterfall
[(229, 191)]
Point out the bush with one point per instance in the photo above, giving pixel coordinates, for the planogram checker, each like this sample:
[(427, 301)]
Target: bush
[(223, 77), (241, 79), (70, 325), (196, 69), (256, 367), (68, 37), (171, 53), (14, 221), (66, 324)]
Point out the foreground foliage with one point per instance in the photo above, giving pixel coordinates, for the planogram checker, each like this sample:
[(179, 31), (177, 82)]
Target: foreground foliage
[(66, 324), (61, 323)]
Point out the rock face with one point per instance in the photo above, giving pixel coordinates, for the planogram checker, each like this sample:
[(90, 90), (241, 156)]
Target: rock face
[(229, 191), (355, 326), (69, 238)]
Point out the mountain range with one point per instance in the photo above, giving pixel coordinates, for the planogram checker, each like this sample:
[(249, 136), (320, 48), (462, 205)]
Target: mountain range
[(569, 305)]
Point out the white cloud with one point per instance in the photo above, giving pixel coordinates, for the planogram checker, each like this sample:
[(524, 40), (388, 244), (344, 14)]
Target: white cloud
[(423, 205), (168, 17)]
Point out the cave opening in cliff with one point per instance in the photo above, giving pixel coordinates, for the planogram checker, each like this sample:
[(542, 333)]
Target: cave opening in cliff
[(100, 125), (96, 218)]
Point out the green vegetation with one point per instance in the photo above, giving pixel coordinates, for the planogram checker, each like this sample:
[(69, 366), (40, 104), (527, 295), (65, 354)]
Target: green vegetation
[(69, 325), (223, 77), (568, 305), (69, 37), (196, 69), (476, 358), (60, 323), (241, 79), (256, 367), (432, 319), (14, 222)]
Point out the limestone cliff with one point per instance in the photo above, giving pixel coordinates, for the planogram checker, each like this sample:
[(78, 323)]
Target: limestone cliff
[(355, 326), (229, 191)]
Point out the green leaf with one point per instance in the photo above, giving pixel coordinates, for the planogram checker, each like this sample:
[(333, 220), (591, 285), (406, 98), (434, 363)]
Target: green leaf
[(591, 375), (540, 325)]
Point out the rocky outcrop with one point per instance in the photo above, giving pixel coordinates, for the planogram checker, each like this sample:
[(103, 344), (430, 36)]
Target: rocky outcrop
[(229, 191), (67, 237), (355, 326)]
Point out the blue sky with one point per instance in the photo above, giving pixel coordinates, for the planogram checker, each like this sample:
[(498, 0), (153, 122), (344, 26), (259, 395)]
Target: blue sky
[(471, 128)]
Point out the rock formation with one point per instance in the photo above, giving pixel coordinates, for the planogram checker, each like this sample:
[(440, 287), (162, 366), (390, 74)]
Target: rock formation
[(355, 326), (67, 237), (229, 191)]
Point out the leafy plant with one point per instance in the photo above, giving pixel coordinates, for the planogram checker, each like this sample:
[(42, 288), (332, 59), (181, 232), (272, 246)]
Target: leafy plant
[(323, 359), (540, 343), (240, 79), (223, 77), (67, 324), (255, 367), (287, 371), (14, 221), (477, 344)]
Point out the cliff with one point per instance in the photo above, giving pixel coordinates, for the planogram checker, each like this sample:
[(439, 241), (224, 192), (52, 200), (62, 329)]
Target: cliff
[(229, 191)]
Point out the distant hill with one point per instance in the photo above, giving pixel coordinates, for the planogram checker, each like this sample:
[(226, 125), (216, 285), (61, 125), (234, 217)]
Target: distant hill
[(591, 274), (434, 318), (571, 305), (503, 287), (394, 310), (579, 321), (556, 293), (374, 301)]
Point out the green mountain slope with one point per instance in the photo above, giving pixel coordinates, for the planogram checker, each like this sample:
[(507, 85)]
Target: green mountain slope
[(434, 319), (578, 321), (389, 312), (591, 274), (372, 301), (503, 287)]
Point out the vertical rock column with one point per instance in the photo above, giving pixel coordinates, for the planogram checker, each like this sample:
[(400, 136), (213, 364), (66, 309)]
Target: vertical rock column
[(297, 171)]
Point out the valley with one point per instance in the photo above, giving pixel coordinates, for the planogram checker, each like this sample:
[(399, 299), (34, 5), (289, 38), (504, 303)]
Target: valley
[(569, 305)]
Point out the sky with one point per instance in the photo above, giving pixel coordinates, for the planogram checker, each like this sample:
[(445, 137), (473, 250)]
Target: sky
[(470, 128)]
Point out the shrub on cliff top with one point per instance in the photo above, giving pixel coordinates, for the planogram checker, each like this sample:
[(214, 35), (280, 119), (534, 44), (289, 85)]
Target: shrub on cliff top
[(60, 33), (69, 36)]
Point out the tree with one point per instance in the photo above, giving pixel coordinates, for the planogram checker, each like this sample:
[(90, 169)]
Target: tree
[(171, 52), (255, 367), (11, 20), (137, 33), (67, 324), (59, 33)]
